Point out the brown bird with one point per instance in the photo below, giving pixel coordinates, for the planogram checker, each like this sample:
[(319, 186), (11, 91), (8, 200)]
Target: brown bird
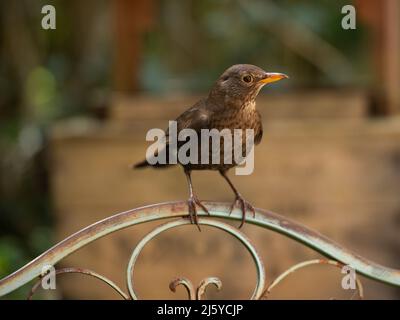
[(230, 105)]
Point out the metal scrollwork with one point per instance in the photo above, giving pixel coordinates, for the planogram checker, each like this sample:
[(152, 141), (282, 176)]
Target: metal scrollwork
[(201, 289), (292, 269), (337, 255), (80, 271), (183, 281)]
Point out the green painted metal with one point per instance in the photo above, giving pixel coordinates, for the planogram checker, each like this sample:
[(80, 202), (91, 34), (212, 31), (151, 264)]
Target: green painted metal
[(88, 272), (263, 218), (208, 222), (307, 263)]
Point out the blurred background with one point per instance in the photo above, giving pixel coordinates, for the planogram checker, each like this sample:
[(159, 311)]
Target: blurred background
[(76, 103)]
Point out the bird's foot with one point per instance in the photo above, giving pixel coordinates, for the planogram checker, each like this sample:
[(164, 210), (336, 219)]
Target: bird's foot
[(193, 201), (244, 206)]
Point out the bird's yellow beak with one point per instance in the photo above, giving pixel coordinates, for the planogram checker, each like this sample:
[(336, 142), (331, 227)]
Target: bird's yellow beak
[(273, 77)]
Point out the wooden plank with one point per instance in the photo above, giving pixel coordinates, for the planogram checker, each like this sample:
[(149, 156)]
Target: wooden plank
[(309, 104), (338, 177)]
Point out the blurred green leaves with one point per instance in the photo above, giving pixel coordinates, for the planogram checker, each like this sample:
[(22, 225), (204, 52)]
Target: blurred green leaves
[(41, 93), (194, 41), (11, 255)]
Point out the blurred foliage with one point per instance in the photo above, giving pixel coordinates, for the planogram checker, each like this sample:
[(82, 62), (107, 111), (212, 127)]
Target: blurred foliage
[(49, 75), (44, 76), (192, 41)]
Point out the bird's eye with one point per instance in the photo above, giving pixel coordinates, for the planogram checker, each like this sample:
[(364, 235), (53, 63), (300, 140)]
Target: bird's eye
[(247, 78)]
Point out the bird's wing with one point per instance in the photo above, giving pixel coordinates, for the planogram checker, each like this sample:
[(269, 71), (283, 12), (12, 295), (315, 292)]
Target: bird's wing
[(259, 131), (196, 118)]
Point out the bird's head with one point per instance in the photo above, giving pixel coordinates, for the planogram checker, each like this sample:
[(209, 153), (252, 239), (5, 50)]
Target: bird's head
[(241, 83)]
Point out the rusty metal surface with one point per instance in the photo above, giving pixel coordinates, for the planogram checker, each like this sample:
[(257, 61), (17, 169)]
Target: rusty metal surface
[(292, 269), (88, 272), (262, 218), (195, 294), (211, 280)]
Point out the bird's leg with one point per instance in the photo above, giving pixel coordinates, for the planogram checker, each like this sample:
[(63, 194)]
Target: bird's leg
[(244, 205), (193, 201)]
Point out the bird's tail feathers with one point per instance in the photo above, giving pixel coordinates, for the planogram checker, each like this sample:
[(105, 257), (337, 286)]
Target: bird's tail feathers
[(145, 164), (142, 164)]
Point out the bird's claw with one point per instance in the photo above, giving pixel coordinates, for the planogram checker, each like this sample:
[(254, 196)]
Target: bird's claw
[(192, 202), (244, 205)]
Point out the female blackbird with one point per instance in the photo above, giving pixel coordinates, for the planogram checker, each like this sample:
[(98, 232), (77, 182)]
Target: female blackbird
[(230, 105)]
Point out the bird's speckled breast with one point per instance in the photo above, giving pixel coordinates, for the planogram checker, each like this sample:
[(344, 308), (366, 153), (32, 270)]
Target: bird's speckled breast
[(246, 117)]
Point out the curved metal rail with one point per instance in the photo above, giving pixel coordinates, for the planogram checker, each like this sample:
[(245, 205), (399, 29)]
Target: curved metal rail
[(262, 218), (258, 291)]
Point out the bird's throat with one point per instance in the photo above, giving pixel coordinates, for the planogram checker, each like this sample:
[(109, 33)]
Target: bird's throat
[(249, 106)]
